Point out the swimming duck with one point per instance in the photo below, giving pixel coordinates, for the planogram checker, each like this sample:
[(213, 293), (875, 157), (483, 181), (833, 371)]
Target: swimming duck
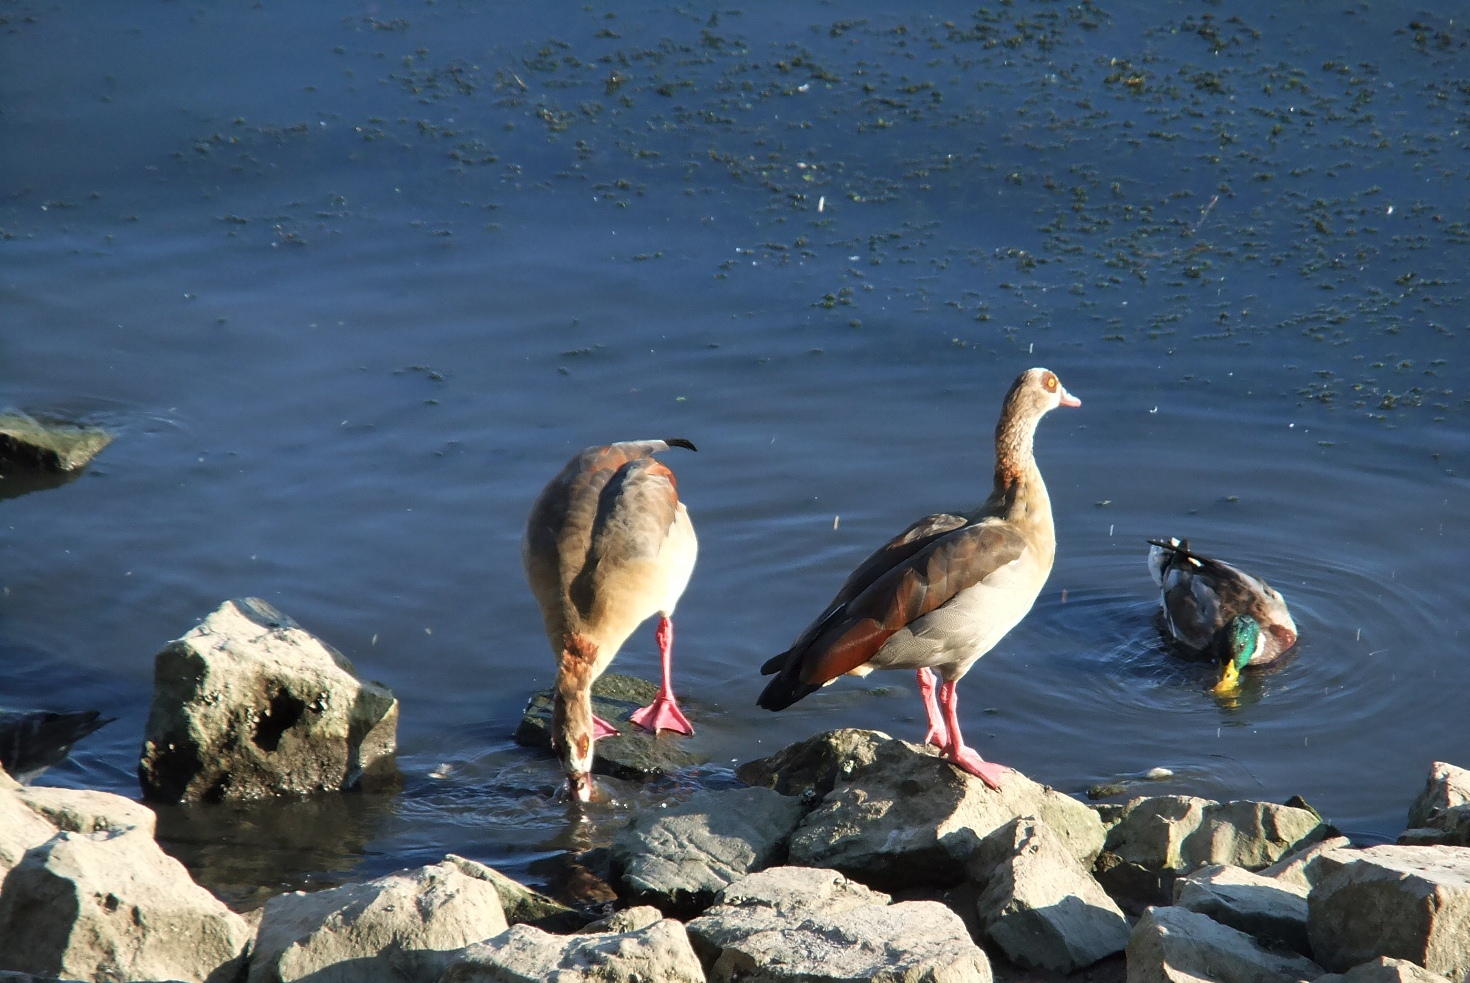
[(945, 590), (1210, 608), (608, 545)]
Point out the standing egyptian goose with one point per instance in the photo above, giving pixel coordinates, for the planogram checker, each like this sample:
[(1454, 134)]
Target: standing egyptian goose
[(608, 544), (1213, 609), (945, 590)]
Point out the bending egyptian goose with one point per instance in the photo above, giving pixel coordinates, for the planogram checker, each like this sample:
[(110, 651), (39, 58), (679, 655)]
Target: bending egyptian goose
[(33, 740), (1209, 608), (945, 590), (608, 544)]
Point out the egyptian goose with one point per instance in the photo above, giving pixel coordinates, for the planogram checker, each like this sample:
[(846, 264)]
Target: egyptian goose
[(608, 544), (945, 590), (1209, 608)]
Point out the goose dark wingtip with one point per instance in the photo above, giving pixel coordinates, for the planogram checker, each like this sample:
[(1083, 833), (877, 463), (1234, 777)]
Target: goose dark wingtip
[(680, 442)]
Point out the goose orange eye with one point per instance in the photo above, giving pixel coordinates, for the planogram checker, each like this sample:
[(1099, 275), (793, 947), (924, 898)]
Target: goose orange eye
[(1051, 382)]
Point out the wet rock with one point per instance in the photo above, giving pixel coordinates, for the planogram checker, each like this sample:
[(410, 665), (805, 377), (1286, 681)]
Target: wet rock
[(403, 928), (1408, 902), (1272, 910), (635, 753), (46, 446), (525, 954), (113, 906), (1160, 838), (1380, 970), (908, 818), (804, 925), (247, 705), (812, 767), (1174, 945), (86, 811), (1040, 905), (680, 858), (521, 904), (1441, 813), (627, 920), (1309, 865)]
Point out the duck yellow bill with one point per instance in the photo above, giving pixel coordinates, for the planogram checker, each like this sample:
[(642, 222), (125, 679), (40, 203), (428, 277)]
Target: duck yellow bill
[(1229, 680)]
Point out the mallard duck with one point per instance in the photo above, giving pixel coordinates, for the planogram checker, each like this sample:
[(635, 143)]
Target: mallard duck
[(1210, 608), (945, 590), (608, 545)]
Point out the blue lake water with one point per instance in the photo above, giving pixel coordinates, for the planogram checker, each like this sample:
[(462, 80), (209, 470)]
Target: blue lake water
[(351, 281)]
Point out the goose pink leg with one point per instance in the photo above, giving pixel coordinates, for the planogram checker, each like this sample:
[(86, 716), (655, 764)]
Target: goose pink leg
[(938, 734), (663, 713), (601, 728), (965, 757)]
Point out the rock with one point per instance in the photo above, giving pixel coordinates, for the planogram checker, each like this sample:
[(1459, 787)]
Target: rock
[(812, 767), (1443, 806), (247, 705), (1272, 910), (1380, 970), (86, 811), (1408, 902), (1160, 838), (113, 906), (1040, 905), (908, 818), (627, 920), (635, 753), (521, 904), (403, 928), (1173, 945), (1309, 865), (6, 976), (659, 952), (21, 827), (680, 858), (804, 925), (48, 446)]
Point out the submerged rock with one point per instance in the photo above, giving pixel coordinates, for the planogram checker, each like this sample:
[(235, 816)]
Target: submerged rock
[(113, 906), (46, 446), (247, 705), (910, 819), (804, 925), (1266, 908), (524, 954), (634, 753), (1174, 945), (1039, 904), (1160, 838), (812, 767), (680, 858), (403, 928), (1408, 902)]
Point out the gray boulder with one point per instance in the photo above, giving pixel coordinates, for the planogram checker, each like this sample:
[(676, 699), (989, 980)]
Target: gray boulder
[(1160, 838), (21, 827), (909, 819), (660, 952), (113, 906), (634, 753), (47, 446), (812, 767), (86, 811), (247, 705), (521, 904), (1407, 902), (804, 925), (403, 928), (1380, 970), (1441, 812), (1272, 910), (1039, 904), (1174, 945), (627, 920), (680, 858), (1306, 867)]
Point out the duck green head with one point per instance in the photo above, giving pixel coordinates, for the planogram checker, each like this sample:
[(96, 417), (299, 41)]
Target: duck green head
[(1242, 641)]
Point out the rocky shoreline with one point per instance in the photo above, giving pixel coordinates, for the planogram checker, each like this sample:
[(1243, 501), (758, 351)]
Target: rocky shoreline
[(848, 856)]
